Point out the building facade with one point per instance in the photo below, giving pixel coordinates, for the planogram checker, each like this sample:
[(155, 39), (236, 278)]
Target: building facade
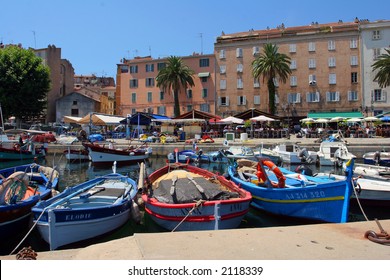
[(61, 76), (325, 65), (137, 89), (375, 37)]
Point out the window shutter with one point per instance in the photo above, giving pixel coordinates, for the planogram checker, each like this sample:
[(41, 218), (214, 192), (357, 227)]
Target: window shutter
[(337, 96), (298, 97), (219, 101), (227, 100), (317, 96), (384, 95), (244, 100)]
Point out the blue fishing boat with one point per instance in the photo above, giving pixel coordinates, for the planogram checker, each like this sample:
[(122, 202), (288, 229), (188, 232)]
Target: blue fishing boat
[(294, 195), (21, 187), (87, 210)]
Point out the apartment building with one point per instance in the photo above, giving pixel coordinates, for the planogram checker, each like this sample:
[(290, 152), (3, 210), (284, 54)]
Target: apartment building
[(325, 65), (137, 89), (375, 37), (61, 76)]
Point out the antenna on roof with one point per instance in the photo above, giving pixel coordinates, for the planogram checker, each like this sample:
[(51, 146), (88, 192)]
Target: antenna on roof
[(201, 42), (150, 51)]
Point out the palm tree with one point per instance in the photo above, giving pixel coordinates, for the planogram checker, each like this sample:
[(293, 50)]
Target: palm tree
[(174, 76), (271, 65), (383, 67)]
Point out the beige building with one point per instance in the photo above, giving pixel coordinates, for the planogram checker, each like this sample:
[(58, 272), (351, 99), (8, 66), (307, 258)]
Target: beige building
[(61, 76), (137, 89), (325, 65)]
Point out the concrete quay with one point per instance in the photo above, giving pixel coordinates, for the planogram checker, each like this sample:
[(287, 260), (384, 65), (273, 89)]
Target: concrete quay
[(305, 242)]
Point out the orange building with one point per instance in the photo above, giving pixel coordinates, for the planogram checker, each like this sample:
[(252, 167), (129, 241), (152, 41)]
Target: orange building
[(137, 89), (325, 65)]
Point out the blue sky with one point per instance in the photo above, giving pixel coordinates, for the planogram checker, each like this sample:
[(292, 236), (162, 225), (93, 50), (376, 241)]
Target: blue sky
[(95, 34)]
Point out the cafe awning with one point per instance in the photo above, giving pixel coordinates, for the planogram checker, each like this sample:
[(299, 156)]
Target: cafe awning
[(100, 119), (329, 115)]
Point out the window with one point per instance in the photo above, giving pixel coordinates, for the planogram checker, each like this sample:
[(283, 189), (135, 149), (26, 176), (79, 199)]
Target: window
[(352, 95), (74, 102), (256, 99), (204, 93), (293, 64), (256, 83), (223, 101), (150, 96), (189, 108), (133, 68), (204, 62), (376, 35), (241, 100), (133, 97), (133, 111), (353, 44), (377, 53), (313, 97), (276, 82), (379, 95), (354, 77), (312, 63), (149, 82), (276, 98), (354, 60), (222, 84), (294, 97), (331, 45), (124, 69), (160, 65), (332, 79), (238, 52), (240, 67), (133, 83), (161, 95), (149, 67), (255, 51), (293, 48), (222, 54), (332, 62), (312, 47), (74, 112), (205, 107), (222, 69), (332, 96), (293, 81), (240, 84), (161, 110), (312, 80), (189, 93)]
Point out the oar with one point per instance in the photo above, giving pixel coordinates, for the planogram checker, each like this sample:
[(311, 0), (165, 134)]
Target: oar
[(200, 189), (174, 179)]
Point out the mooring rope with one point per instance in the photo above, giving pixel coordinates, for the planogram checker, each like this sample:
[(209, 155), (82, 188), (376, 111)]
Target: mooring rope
[(358, 200), (197, 205)]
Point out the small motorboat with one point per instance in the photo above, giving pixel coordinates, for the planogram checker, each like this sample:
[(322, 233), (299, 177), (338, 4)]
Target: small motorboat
[(21, 187), (183, 197), (76, 154), (377, 158), (87, 210)]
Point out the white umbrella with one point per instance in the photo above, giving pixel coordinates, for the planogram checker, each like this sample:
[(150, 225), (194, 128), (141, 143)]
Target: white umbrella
[(233, 120), (307, 120), (321, 120), (261, 118), (354, 120), (336, 119), (371, 119)]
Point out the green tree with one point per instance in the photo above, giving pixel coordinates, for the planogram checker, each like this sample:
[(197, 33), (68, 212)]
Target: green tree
[(382, 66), (24, 83), (271, 65), (175, 76)]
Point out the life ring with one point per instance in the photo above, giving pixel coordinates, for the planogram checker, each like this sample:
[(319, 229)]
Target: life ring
[(262, 176)]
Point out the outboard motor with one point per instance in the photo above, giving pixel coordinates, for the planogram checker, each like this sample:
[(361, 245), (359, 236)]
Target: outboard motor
[(304, 155), (377, 157), (303, 169)]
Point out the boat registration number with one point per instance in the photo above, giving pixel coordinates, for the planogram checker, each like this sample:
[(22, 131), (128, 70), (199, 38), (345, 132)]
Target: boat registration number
[(306, 195)]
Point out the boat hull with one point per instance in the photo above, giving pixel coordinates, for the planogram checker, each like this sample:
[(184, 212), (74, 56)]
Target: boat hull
[(326, 202), (211, 215)]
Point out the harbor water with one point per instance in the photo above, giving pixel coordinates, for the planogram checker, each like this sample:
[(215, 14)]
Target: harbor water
[(77, 172)]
